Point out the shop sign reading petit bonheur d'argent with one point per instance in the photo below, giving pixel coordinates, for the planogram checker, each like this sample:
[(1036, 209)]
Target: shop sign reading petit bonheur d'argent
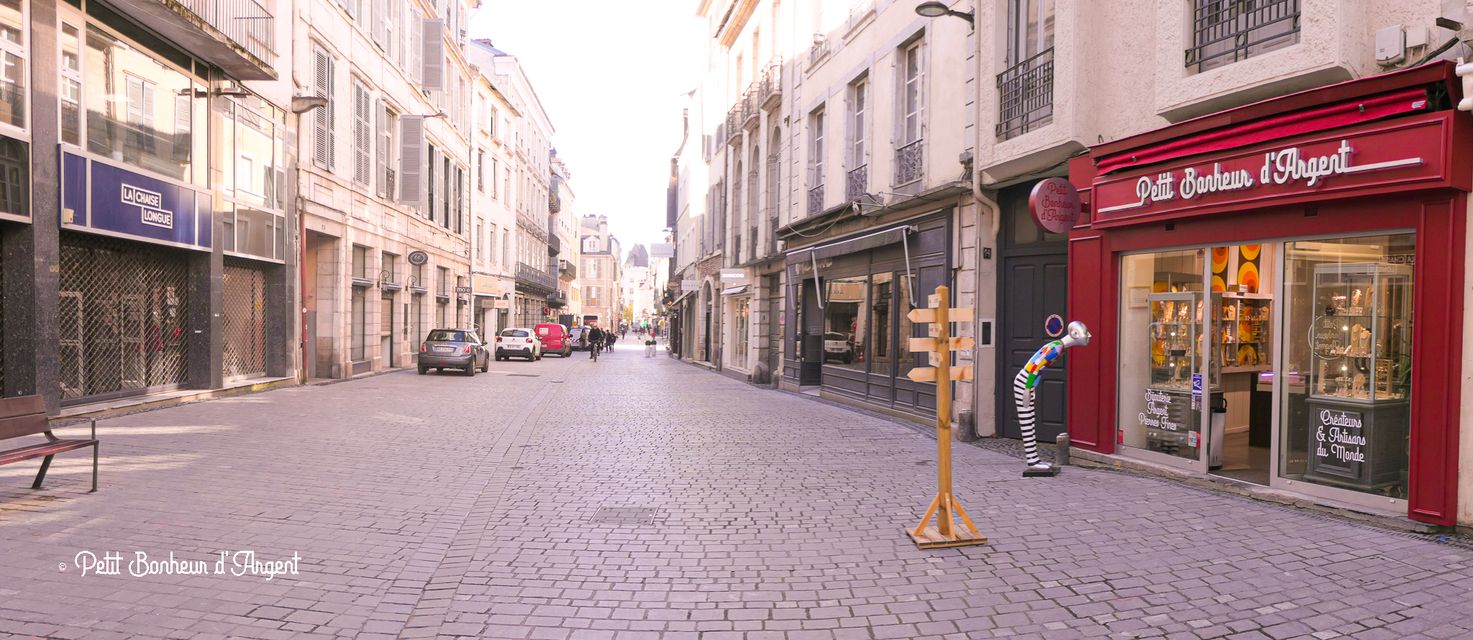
[(1267, 172)]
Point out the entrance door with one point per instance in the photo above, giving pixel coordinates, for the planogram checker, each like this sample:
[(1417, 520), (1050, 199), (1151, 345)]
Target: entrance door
[(386, 330), (1033, 288), (810, 331)]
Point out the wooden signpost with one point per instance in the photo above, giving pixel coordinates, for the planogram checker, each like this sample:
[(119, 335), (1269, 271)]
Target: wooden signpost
[(944, 507)]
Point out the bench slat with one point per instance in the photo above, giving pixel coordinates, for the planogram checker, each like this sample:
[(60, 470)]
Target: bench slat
[(42, 449), (22, 416)]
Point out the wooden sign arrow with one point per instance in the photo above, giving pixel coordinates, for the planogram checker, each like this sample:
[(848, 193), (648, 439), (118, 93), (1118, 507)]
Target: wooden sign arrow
[(961, 343), (928, 374), (919, 316), (922, 374)]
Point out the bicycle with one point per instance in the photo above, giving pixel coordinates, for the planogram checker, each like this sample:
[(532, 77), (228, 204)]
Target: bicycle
[(595, 346)]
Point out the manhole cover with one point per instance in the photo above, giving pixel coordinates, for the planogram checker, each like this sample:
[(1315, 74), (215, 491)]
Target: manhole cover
[(625, 515), (523, 375)]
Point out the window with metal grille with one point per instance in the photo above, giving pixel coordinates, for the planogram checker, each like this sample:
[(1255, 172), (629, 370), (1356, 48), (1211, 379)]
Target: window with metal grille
[(323, 142), (1026, 87), (362, 134), (1226, 31), (912, 125), (243, 322)]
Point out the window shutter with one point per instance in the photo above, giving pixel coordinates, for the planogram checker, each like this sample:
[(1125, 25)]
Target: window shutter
[(362, 135), (381, 23), (321, 119), (411, 159), (432, 55), (381, 149)]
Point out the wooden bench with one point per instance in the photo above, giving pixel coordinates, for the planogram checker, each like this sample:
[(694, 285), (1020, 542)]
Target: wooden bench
[(26, 415)]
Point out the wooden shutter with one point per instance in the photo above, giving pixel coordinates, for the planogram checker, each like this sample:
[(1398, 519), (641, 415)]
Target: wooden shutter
[(322, 142), (411, 159), (432, 56), (381, 149)]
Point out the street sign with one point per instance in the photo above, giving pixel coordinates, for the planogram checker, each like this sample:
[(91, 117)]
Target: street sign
[(945, 507), (1054, 204), (462, 289)]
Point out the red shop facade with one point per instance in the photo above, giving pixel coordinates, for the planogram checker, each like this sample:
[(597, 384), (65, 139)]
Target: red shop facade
[(1276, 294)]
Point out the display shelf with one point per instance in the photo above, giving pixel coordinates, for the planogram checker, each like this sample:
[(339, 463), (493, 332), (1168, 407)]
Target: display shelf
[(1245, 332)]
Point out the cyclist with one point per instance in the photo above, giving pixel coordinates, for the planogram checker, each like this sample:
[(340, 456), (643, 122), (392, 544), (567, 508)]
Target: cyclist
[(595, 338)]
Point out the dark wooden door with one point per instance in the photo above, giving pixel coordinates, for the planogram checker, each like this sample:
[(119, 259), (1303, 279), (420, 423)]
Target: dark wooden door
[(1033, 287)]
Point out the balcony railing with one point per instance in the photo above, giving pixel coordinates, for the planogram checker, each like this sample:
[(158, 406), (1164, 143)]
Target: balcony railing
[(535, 279), (567, 268), (749, 106), (734, 122), (909, 161), (858, 182), (245, 22), (770, 90), (815, 199), (1026, 95), (1225, 31)]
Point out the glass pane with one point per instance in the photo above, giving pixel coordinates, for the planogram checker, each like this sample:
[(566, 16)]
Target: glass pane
[(1162, 311), (15, 177), (138, 108), (13, 90), (845, 319), (11, 25), (880, 347), (1348, 363)]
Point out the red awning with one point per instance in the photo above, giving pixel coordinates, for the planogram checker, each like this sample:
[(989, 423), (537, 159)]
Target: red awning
[(1333, 116)]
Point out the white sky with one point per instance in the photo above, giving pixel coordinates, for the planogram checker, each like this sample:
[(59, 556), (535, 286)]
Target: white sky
[(612, 77)]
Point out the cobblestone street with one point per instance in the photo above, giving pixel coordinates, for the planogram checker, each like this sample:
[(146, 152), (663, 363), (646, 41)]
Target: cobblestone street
[(645, 498)]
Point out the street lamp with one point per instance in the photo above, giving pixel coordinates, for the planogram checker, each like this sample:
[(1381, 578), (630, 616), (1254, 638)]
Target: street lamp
[(933, 9)]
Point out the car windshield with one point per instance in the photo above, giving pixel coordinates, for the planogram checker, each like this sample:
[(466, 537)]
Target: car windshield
[(514, 333), (443, 335)]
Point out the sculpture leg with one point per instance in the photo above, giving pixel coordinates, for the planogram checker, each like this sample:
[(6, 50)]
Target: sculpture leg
[(1023, 396)]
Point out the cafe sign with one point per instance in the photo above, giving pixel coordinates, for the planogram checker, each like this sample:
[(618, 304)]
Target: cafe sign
[(1314, 168)]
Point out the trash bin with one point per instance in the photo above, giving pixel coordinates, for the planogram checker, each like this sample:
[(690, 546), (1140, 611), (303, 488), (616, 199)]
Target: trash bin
[(1219, 431)]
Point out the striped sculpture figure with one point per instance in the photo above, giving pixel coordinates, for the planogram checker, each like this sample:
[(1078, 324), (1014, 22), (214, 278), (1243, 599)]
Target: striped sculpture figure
[(1024, 386)]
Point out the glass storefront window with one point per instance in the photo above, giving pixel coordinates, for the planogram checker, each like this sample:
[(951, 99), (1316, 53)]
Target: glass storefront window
[(846, 313), (71, 84), (140, 110), (1345, 418), (1163, 351), (740, 326), (15, 177), (880, 336), (12, 63)]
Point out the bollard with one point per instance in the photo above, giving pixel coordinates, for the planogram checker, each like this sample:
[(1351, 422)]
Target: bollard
[(1061, 450)]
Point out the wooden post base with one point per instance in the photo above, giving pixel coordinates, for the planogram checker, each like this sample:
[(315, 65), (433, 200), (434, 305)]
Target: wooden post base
[(945, 533)]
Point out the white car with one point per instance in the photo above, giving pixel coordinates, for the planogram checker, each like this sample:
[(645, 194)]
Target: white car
[(836, 346), (518, 341)]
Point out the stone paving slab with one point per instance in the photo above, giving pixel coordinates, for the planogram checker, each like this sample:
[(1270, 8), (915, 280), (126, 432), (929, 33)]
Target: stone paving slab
[(644, 498)]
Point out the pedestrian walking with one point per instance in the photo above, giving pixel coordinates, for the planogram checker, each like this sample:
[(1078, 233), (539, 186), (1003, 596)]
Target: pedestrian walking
[(610, 339)]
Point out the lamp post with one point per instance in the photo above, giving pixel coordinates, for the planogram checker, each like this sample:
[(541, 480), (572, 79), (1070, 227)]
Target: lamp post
[(933, 9)]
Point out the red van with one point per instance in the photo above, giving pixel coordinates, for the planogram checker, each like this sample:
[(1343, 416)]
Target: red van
[(554, 339)]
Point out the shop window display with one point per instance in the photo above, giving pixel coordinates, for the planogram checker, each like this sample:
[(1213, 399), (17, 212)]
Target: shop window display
[(846, 312), (1348, 343)]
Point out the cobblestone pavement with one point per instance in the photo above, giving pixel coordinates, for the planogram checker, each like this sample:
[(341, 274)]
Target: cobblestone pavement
[(645, 498)]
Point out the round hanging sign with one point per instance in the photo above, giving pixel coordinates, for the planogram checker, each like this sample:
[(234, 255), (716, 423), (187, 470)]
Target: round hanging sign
[(418, 257), (1054, 326), (1054, 204)]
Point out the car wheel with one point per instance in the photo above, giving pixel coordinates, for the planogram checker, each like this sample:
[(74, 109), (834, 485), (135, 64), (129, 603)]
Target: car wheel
[(485, 365), (470, 370), (423, 370)]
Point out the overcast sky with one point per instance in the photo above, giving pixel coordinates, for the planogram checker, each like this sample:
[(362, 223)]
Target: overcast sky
[(612, 77)]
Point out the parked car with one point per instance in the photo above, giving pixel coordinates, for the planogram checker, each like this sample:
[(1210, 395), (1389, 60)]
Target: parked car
[(575, 338), (554, 338), (453, 349), (519, 342), (836, 346)]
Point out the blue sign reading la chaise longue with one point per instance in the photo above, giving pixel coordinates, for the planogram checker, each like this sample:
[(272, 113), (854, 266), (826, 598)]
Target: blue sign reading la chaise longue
[(97, 195)]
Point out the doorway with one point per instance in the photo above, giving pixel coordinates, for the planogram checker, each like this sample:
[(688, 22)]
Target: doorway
[(1241, 437), (1033, 284), (386, 331)]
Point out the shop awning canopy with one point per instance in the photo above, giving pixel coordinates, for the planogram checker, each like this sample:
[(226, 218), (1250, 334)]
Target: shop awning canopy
[(1319, 109), (731, 291)]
